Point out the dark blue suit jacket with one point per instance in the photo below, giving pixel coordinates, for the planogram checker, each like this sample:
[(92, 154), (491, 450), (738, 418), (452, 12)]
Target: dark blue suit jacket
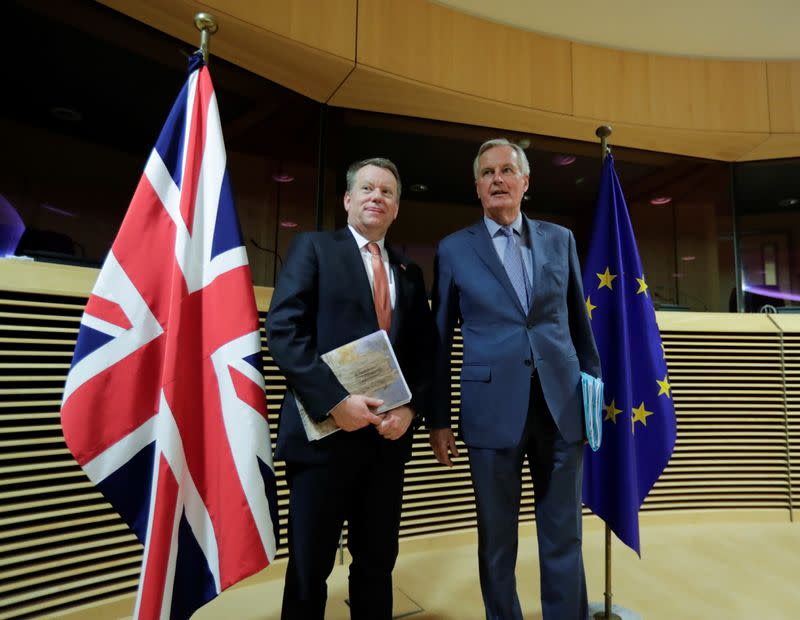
[(502, 343), (323, 300)]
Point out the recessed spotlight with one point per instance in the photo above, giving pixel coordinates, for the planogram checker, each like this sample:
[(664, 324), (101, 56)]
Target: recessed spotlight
[(525, 197), (579, 181), (288, 224), (789, 202), (564, 160), (282, 177), (660, 201), (418, 187), (66, 114), (688, 258)]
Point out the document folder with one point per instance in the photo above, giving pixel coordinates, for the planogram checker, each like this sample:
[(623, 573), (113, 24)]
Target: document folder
[(593, 409), (365, 366)]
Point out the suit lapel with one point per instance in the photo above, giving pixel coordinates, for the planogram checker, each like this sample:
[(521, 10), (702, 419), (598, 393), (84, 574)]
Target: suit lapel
[(354, 264), (398, 268), (484, 247), (538, 241)]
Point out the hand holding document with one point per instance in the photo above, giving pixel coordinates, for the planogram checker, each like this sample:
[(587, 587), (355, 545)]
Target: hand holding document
[(365, 366), (592, 409)]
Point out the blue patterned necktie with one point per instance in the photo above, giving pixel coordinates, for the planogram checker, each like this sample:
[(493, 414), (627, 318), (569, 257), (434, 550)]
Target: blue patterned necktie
[(515, 267)]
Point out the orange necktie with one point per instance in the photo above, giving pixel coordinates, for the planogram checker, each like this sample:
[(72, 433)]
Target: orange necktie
[(380, 288)]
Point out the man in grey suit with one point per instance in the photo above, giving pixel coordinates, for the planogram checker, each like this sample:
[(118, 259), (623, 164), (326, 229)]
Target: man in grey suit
[(514, 285)]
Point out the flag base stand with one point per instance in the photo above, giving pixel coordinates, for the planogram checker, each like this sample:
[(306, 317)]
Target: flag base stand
[(598, 612)]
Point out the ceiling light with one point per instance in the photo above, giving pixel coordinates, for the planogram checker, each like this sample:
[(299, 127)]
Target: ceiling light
[(687, 258), (418, 187), (579, 181), (282, 177), (789, 202), (564, 160), (288, 224), (66, 114), (660, 201)]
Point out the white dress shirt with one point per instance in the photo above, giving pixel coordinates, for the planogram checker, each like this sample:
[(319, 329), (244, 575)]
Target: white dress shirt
[(367, 258)]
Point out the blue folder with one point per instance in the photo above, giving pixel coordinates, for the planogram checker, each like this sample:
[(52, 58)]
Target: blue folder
[(593, 409)]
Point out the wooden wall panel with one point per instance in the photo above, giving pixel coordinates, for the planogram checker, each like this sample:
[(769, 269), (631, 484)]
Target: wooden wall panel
[(327, 25), (611, 84), (415, 57), (791, 373), (663, 91), (736, 388), (296, 64), (784, 96), (375, 90), (773, 146), (421, 41)]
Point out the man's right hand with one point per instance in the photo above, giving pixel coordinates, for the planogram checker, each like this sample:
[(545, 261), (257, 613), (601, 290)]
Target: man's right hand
[(355, 412), (443, 443)]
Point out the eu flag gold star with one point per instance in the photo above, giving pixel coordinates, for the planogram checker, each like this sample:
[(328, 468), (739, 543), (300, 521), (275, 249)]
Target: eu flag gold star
[(612, 412), (642, 286), (590, 306), (639, 415), (665, 386), (606, 279)]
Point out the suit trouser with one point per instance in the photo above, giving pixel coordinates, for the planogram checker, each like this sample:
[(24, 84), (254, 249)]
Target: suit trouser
[(556, 468), (364, 488)]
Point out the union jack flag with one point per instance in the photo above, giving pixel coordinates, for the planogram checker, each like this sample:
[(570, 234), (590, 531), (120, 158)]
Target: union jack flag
[(164, 404)]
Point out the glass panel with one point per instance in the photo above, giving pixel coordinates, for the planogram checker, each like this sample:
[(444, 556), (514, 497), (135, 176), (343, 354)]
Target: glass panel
[(767, 197), (685, 238), (86, 95)]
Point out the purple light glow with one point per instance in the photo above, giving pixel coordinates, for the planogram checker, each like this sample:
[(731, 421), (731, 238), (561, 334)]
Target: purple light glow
[(53, 209), (11, 227), (563, 160), (768, 292)]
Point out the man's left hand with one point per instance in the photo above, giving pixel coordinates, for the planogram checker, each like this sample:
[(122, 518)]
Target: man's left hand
[(395, 422)]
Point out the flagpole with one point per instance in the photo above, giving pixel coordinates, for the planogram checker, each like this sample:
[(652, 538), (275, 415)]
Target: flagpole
[(603, 132), (207, 26)]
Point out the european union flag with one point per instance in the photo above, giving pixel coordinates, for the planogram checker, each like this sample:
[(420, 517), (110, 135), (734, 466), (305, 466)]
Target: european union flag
[(639, 422)]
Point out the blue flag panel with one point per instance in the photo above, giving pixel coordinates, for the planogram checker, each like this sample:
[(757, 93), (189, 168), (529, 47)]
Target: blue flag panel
[(639, 417)]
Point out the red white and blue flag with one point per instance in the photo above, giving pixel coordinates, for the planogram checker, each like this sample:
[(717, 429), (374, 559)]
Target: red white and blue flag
[(164, 404)]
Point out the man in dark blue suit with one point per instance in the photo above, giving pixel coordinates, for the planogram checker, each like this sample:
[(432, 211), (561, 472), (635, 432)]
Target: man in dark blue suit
[(335, 288), (514, 285)]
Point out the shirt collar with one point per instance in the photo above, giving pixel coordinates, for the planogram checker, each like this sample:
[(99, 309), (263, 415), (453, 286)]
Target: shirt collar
[(363, 241), (493, 226)]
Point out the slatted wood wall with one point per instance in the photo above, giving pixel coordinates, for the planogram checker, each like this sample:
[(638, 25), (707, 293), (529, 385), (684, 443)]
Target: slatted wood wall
[(736, 385)]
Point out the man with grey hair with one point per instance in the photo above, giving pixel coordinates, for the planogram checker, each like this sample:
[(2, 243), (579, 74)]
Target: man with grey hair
[(336, 287), (514, 286)]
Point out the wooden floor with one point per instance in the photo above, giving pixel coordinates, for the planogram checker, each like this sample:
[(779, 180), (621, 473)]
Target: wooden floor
[(694, 565)]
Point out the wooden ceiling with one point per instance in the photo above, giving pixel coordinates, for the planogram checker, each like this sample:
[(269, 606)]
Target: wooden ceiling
[(417, 58)]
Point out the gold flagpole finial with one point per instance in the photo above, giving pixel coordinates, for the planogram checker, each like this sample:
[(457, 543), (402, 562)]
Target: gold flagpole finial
[(602, 132), (207, 26)]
